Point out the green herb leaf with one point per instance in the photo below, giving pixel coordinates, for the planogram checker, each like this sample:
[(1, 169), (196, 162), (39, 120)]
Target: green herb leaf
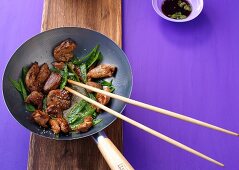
[(54, 69), (79, 61), (92, 59), (30, 108), (16, 85), (109, 84), (94, 115), (20, 86), (76, 61), (24, 72), (77, 114), (72, 78), (80, 118), (23, 89), (96, 121), (83, 72), (73, 73), (64, 78), (73, 115), (44, 103), (91, 96)]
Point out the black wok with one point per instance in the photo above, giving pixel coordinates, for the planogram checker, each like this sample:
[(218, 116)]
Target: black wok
[(39, 48)]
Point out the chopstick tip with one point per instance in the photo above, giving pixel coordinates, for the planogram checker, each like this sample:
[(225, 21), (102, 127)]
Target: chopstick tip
[(222, 165)]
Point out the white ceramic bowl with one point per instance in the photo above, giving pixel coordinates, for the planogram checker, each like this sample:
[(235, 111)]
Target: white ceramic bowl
[(197, 6)]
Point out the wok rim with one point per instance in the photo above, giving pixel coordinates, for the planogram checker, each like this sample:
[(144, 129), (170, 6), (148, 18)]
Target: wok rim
[(4, 78)]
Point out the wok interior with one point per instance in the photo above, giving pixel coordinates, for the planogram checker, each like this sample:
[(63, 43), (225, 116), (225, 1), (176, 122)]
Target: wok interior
[(39, 49)]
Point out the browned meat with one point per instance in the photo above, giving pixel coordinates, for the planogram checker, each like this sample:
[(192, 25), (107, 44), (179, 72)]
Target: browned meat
[(52, 82), (36, 77), (64, 51), (63, 124), (43, 75), (35, 98), (59, 98), (101, 71), (40, 117), (54, 110), (55, 127), (59, 65), (93, 84), (31, 76), (83, 127), (101, 98), (58, 125)]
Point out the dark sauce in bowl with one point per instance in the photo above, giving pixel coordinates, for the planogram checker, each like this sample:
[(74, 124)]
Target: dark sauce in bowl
[(176, 9)]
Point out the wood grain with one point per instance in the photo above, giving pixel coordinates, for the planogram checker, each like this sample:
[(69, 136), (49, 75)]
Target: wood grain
[(103, 16)]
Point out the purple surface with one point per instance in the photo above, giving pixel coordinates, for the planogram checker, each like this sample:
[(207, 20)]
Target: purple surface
[(190, 68), (18, 22)]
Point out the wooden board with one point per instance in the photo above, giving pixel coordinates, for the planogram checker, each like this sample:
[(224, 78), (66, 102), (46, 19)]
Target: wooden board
[(103, 16)]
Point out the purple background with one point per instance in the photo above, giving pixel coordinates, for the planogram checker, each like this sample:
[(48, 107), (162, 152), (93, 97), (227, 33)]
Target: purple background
[(190, 68)]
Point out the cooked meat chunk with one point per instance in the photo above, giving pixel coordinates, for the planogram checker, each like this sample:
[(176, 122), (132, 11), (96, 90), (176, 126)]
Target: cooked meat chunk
[(35, 98), (83, 127), (40, 117), (59, 65), (63, 124), (103, 99), (43, 75), (64, 51), (55, 127), (54, 110), (31, 76), (52, 82), (101, 71), (58, 125), (93, 84), (36, 77), (59, 98)]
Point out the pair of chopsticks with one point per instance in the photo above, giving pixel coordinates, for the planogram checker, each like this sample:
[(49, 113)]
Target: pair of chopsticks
[(150, 107)]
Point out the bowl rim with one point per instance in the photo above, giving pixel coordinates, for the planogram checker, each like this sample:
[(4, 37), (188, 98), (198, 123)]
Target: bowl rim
[(159, 12)]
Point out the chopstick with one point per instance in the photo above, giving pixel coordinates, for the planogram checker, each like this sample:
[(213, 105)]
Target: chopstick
[(154, 108), (143, 127)]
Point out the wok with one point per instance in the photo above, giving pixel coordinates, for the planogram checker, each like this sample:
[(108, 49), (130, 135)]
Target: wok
[(39, 48)]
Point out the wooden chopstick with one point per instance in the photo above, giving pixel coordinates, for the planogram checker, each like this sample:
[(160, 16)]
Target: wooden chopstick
[(143, 127), (154, 108)]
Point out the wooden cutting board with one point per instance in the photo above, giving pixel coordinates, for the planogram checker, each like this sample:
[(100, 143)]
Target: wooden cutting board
[(103, 16)]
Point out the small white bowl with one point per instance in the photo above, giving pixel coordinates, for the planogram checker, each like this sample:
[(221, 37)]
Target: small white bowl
[(197, 6)]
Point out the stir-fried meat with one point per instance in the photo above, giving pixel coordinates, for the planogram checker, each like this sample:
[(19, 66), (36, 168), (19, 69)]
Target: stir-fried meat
[(40, 117), (52, 82), (93, 84), (35, 98), (43, 75), (31, 76), (37, 76), (63, 124), (59, 98), (58, 125), (55, 127), (64, 51), (54, 110), (103, 99), (59, 65), (102, 71), (83, 127)]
